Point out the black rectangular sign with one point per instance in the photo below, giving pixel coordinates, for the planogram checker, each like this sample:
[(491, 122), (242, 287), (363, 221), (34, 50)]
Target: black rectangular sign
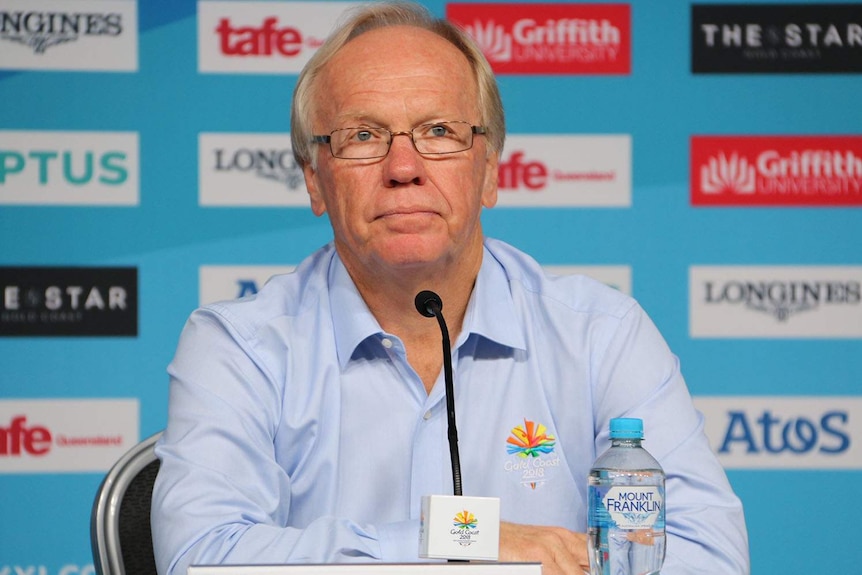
[(776, 38), (68, 301)]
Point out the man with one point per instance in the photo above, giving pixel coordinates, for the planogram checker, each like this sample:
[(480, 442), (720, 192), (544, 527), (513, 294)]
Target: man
[(306, 422)]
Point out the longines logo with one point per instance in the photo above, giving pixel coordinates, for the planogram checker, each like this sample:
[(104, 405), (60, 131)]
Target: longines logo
[(91, 35), (40, 30), (782, 299), (783, 38), (775, 301), (68, 301), (274, 164), (237, 169)]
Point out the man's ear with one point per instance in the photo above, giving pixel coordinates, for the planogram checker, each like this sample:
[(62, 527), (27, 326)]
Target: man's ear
[(492, 175), (318, 205)]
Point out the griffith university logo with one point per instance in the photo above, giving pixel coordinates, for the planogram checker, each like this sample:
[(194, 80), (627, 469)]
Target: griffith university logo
[(464, 524), (776, 170), (532, 449), (549, 38)]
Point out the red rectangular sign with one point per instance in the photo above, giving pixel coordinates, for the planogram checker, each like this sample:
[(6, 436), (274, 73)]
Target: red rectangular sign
[(776, 170), (549, 38)]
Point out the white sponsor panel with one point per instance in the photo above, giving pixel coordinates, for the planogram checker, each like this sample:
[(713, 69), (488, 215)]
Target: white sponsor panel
[(69, 168), (262, 37), (88, 35), (566, 170), (775, 301), (247, 169), (66, 435), (784, 432), (619, 277), (219, 283)]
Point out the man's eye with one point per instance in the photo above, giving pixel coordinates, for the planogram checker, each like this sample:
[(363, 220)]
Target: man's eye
[(438, 130), (363, 136)]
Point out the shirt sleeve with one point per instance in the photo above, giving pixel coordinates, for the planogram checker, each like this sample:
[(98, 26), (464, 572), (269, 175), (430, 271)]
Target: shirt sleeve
[(638, 376), (220, 496)]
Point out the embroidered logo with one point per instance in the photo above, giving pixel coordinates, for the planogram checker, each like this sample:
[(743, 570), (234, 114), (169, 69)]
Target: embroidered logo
[(533, 448)]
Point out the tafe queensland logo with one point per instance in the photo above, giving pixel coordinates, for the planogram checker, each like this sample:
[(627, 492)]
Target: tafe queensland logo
[(549, 38), (566, 171), (782, 38), (69, 35), (776, 170), (784, 432), (533, 461), (775, 301), (64, 435), (262, 37)]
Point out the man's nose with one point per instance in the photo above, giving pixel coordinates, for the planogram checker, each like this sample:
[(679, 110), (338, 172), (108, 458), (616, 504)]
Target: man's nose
[(403, 163)]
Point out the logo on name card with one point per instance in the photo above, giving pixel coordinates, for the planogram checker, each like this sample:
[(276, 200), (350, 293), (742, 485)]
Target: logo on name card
[(531, 447), (465, 529)]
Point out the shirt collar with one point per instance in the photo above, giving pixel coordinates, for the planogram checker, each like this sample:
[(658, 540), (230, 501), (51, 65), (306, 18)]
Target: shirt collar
[(490, 311)]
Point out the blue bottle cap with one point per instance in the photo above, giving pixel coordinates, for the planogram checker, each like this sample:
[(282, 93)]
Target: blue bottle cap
[(627, 428)]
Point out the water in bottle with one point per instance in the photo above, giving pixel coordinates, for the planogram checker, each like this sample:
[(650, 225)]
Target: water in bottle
[(626, 497)]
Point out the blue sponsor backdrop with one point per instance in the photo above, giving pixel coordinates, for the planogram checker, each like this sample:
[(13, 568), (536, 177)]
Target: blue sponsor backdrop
[(799, 521)]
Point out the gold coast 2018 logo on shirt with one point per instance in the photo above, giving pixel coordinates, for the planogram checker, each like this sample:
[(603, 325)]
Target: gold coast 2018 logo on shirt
[(531, 448)]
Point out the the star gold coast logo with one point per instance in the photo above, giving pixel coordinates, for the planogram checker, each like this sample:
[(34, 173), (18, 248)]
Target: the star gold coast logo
[(533, 447)]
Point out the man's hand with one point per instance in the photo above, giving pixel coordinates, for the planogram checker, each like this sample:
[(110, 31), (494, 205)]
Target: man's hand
[(561, 552)]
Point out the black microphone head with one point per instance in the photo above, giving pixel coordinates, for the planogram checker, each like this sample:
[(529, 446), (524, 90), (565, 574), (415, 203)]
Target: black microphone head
[(428, 303)]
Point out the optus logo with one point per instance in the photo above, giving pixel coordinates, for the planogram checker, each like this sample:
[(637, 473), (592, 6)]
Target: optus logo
[(69, 168), (782, 432)]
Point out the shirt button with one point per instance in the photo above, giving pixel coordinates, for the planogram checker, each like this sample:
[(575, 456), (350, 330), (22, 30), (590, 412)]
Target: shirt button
[(427, 415), (387, 343)]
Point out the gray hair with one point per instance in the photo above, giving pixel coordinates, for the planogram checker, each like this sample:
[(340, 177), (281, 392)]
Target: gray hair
[(378, 15)]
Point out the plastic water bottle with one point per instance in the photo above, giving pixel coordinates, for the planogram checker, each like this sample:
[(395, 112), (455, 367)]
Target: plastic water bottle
[(626, 515)]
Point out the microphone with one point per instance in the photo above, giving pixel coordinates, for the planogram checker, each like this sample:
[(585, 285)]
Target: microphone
[(476, 532), (429, 304)]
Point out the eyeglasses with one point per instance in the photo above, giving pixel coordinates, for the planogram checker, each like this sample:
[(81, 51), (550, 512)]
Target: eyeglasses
[(428, 139)]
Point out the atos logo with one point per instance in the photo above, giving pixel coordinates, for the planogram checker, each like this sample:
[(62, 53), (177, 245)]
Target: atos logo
[(768, 432), (784, 432), (220, 283)]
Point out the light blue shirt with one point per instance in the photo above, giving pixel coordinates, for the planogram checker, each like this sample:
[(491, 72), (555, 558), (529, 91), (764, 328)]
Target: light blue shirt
[(298, 432)]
